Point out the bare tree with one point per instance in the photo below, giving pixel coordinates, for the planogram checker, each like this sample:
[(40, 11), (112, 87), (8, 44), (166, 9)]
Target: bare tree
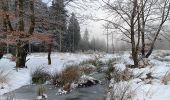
[(165, 8), (153, 15), (128, 16), (21, 35), (136, 20)]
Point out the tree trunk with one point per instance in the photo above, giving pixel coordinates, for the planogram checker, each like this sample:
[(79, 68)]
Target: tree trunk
[(21, 15), (4, 9), (23, 47), (49, 53), (150, 51), (143, 29), (60, 42), (17, 56), (9, 23), (164, 16), (4, 25), (143, 45), (32, 18), (135, 58), (153, 42), (134, 52), (21, 54)]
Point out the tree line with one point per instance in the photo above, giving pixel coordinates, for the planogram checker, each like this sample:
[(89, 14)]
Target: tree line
[(30, 25)]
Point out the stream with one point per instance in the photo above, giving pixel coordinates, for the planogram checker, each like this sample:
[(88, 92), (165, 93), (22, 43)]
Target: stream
[(29, 92)]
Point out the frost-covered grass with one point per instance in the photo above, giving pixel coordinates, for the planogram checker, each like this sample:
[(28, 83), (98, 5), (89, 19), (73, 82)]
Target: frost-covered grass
[(149, 83)]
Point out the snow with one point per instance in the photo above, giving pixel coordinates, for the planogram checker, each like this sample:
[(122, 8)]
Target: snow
[(139, 87), (39, 97), (44, 96), (148, 89), (22, 77), (85, 78), (120, 67), (61, 91), (105, 57)]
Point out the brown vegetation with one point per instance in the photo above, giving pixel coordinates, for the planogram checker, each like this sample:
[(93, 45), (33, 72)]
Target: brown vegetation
[(68, 75)]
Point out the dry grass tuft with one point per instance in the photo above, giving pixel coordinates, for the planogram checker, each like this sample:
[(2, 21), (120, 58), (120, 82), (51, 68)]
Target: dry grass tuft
[(10, 96), (54, 77), (166, 78), (41, 90), (4, 78), (68, 75), (40, 76)]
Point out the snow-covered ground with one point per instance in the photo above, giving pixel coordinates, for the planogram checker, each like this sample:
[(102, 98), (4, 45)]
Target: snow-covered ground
[(23, 76), (152, 89), (141, 88)]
